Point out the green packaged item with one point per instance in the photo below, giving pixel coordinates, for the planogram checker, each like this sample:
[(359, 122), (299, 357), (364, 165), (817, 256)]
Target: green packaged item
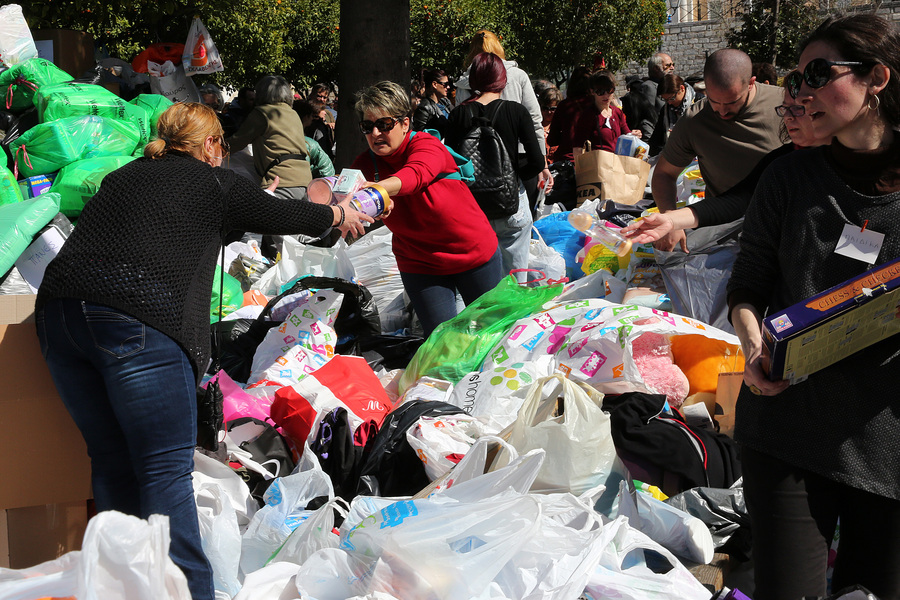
[(19, 223), (155, 105), (460, 345), (78, 182), (232, 296), (48, 147), (20, 82), (74, 99), (9, 187)]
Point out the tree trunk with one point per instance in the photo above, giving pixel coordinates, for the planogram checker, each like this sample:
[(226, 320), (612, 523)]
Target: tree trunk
[(775, 15), (374, 47)]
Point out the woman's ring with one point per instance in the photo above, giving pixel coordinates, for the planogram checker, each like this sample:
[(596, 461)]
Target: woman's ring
[(755, 390)]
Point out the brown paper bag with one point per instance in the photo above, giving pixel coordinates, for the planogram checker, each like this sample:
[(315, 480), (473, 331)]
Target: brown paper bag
[(726, 396), (602, 174)]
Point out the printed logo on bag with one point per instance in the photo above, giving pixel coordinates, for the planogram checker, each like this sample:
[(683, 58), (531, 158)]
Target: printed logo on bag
[(624, 332), (575, 348), (289, 339), (307, 314), (295, 320), (620, 309), (330, 312), (618, 370), (664, 316), (606, 330), (319, 360), (564, 369), (315, 328), (282, 328), (530, 344), (517, 331), (693, 323), (590, 326), (273, 495), (281, 360), (374, 405), (544, 320), (580, 304), (630, 319), (593, 364), (421, 454), (397, 512), (284, 349), (286, 373), (507, 376), (558, 339), (593, 313), (499, 355)]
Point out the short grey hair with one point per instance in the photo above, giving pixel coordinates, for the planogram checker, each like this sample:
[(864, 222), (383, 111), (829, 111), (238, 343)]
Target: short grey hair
[(656, 64), (273, 89), (384, 96)]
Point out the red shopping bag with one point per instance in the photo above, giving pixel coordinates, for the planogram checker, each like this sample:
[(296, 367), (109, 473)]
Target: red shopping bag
[(343, 382)]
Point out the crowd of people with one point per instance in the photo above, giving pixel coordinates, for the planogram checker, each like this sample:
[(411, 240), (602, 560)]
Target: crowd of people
[(799, 163)]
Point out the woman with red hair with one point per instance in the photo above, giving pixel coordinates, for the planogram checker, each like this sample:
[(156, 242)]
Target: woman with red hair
[(512, 122)]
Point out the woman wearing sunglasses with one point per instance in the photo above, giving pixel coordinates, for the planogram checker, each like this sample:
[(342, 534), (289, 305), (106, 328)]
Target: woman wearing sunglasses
[(731, 205), (826, 448), (433, 109), (123, 313), (442, 240)]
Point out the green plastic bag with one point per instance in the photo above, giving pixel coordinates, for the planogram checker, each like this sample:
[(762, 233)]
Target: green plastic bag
[(48, 147), (232, 296), (19, 223), (74, 99), (9, 187), (20, 82), (78, 182), (155, 105), (460, 345)]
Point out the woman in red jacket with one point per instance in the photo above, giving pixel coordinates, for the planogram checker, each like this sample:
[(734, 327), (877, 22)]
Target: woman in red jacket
[(442, 240)]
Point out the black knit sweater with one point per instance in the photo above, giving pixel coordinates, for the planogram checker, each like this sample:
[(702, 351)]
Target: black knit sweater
[(148, 243)]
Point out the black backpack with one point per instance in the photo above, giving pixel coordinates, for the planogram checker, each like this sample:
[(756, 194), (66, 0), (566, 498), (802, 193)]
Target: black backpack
[(496, 187)]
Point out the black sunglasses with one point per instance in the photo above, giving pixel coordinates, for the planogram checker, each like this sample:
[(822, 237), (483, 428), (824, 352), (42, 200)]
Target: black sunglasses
[(816, 74), (795, 110), (383, 124), (549, 108), (446, 84)]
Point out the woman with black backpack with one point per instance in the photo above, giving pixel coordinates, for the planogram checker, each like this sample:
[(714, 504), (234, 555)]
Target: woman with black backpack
[(488, 130)]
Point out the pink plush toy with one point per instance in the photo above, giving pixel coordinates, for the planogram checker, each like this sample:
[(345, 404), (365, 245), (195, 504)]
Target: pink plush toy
[(652, 354)]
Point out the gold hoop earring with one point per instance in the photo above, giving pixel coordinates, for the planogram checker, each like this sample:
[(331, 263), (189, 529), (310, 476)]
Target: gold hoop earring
[(877, 103)]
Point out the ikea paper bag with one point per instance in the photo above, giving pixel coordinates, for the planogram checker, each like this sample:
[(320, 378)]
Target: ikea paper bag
[(602, 174)]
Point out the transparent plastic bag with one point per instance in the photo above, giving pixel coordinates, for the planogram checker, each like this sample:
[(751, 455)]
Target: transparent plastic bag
[(16, 42)]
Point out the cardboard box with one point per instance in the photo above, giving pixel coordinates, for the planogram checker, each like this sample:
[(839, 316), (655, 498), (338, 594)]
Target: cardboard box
[(73, 51), (36, 534), (45, 459), (818, 332)]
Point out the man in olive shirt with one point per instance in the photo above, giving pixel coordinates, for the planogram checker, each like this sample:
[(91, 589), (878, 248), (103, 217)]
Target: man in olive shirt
[(729, 132)]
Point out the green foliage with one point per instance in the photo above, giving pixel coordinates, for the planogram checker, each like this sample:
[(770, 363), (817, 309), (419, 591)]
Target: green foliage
[(758, 36), (439, 34), (316, 35)]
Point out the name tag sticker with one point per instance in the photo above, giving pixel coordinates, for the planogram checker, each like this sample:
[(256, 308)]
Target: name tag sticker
[(861, 244)]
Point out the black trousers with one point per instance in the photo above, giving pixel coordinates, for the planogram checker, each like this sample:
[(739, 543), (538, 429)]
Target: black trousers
[(795, 513)]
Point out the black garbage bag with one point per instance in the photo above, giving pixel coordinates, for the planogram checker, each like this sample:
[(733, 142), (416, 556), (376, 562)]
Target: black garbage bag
[(266, 447), (724, 512), (391, 467), (339, 456), (622, 214), (357, 319), (23, 123), (390, 351)]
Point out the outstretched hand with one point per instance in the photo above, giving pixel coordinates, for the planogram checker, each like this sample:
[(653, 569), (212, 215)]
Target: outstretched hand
[(354, 221), (649, 228)]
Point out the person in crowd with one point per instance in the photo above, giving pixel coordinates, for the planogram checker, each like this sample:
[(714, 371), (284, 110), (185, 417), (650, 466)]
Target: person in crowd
[(539, 85), (518, 88), (123, 311), (657, 67), (824, 449), (237, 110), (313, 117), (319, 162), (512, 123), (729, 131), (765, 73), (441, 239), (641, 113), (678, 97), (434, 108), (274, 131), (211, 95), (731, 205), (549, 100), (451, 94), (596, 120), (321, 92)]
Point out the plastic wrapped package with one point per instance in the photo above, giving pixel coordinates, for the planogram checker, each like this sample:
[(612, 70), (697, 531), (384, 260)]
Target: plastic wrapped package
[(73, 99), (22, 82), (154, 105), (9, 187), (20, 222), (16, 41), (48, 147), (76, 183)]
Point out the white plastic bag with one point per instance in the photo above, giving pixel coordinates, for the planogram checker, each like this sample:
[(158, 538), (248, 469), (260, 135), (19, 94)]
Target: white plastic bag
[(622, 573), (373, 259), (298, 259), (579, 445), (16, 43), (169, 80), (122, 557), (220, 535), (313, 534), (270, 582), (543, 257), (200, 53), (440, 442)]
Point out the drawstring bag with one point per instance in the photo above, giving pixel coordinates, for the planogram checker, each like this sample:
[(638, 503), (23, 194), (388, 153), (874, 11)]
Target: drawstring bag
[(20, 83)]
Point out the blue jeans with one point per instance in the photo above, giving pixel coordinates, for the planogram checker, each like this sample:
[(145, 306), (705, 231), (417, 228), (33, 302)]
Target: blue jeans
[(434, 296), (131, 391), (514, 235)]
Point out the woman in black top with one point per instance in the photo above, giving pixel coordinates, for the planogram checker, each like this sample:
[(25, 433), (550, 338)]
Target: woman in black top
[(512, 121), (123, 315)]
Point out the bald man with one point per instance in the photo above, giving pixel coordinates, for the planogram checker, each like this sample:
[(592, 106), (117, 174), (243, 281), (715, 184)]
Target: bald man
[(729, 131)]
